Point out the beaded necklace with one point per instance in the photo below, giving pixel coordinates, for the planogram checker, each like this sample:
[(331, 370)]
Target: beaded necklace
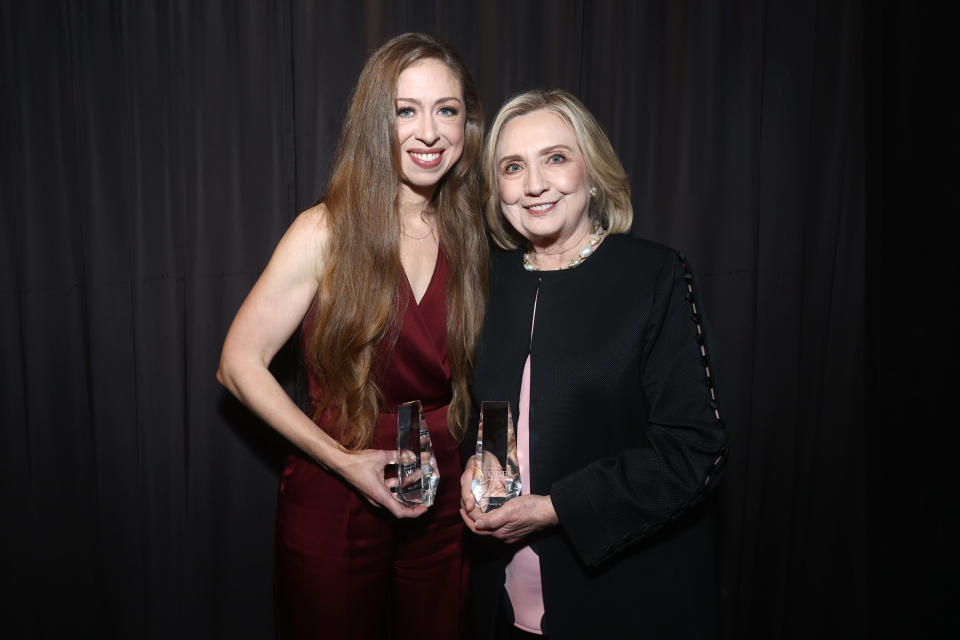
[(592, 241)]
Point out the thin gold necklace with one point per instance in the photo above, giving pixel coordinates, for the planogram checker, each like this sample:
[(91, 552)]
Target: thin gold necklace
[(421, 238)]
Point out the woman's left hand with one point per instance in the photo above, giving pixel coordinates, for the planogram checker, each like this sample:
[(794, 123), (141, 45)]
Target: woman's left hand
[(515, 520)]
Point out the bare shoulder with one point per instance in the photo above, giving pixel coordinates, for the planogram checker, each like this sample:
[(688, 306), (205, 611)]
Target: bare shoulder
[(315, 218), (306, 240), (311, 228)]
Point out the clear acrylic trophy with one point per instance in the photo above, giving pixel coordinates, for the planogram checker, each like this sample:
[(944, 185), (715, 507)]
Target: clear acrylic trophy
[(416, 468), (496, 471)]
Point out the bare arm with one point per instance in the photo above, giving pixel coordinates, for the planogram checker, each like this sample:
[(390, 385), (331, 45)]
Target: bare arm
[(267, 318)]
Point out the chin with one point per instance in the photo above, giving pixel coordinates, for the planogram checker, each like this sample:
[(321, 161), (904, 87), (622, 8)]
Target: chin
[(421, 183), (546, 230), (422, 179)]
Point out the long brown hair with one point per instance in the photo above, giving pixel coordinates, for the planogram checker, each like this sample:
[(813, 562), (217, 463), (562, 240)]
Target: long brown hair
[(354, 307)]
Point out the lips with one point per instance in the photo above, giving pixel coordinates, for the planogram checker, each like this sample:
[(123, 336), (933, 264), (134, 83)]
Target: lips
[(426, 158), (540, 208)]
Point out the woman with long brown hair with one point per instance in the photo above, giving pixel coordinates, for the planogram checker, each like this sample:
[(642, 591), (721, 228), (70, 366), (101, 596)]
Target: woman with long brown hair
[(386, 278)]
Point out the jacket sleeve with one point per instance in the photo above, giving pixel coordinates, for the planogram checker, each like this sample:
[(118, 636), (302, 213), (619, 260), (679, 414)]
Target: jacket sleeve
[(611, 503)]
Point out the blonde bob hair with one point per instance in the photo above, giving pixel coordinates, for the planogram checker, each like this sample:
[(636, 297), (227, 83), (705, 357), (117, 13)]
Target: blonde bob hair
[(611, 207)]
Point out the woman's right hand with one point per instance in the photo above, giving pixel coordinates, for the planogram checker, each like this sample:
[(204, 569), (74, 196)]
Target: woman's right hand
[(365, 471)]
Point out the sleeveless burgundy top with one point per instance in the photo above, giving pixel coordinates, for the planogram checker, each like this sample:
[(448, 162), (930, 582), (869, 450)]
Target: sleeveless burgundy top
[(415, 365)]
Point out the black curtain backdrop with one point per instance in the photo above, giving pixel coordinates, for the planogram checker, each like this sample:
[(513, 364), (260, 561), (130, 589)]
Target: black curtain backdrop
[(154, 152)]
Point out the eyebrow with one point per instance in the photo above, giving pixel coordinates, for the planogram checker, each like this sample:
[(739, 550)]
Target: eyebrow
[(438, 101), (541, 152)]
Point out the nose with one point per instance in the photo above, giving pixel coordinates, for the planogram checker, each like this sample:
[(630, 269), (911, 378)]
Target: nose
[(427, 130), (534, 183)]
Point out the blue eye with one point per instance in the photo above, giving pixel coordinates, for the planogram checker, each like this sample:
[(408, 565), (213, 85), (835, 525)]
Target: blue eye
[(404, 112), (448, 111), (512, 167), (557, 158)]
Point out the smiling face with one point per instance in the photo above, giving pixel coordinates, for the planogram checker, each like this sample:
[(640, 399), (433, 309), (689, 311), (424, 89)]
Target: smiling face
[(542, 180), (430, 124)]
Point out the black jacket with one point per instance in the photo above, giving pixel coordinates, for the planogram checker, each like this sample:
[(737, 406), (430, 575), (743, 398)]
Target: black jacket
[(625, 436)]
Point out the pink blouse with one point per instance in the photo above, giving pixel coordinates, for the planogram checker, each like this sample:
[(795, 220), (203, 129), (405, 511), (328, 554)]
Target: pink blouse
[(523, 573)]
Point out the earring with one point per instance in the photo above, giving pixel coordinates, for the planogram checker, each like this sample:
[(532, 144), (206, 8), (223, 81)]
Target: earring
[(593, 192)]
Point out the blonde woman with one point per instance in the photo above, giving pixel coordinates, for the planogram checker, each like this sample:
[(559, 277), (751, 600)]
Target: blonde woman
[(599, 341)]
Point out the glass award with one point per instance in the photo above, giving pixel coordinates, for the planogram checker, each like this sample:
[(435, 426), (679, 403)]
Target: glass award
[(416, 468), (496, 471)]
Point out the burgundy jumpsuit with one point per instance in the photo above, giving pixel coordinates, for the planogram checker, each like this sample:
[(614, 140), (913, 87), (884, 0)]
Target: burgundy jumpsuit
[(346, 569)]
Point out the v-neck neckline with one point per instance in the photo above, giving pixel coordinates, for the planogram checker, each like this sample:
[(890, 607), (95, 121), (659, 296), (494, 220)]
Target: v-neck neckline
[(433, 277)]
